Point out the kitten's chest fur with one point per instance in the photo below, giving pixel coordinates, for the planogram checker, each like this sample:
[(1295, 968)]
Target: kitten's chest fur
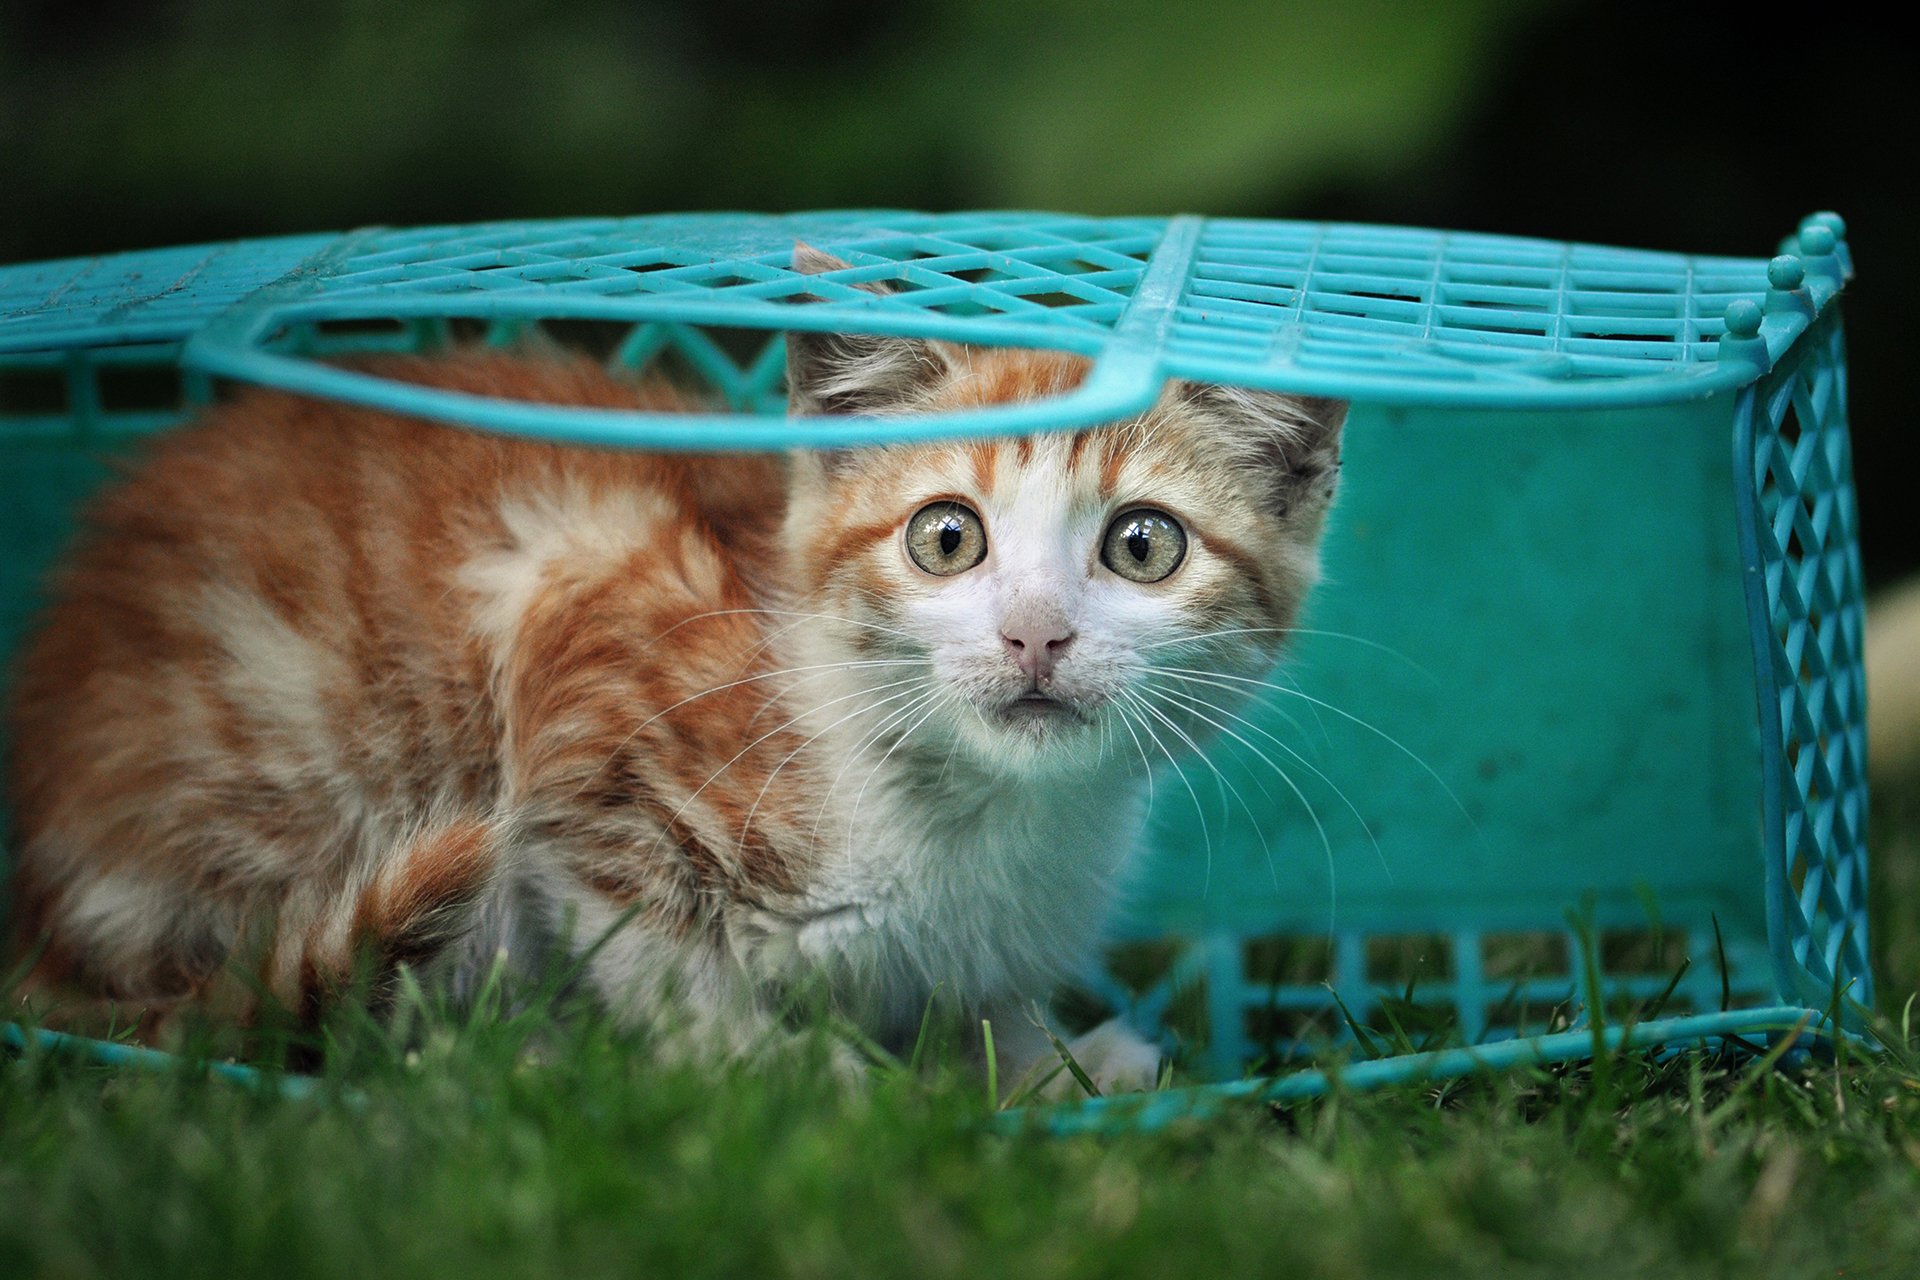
[(944, 876)]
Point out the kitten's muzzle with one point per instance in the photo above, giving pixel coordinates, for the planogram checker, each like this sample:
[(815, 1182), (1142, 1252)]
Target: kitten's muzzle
[(1036, 708)]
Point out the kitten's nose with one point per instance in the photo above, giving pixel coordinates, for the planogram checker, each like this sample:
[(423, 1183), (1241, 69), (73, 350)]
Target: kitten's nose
[(1036, 646)]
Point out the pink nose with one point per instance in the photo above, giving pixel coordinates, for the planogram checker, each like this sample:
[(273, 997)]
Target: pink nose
[(1035, 647)]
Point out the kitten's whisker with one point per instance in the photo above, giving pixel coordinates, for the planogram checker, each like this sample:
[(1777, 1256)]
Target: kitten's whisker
[(1191, 705), (1206, 636), (1280, 673), (770, 638), (867, 740), (1300, 759), (800, 614), (767, 640), (1326, 844), (780, 695), (644, 725), (1221, 776), (790, 756), (1382, 734), (1126, 722), (748, 656), (714, 776), (1219, 783), (1206, 833), (1293, 682), (1209, 637), (853, 816), (948, 764)]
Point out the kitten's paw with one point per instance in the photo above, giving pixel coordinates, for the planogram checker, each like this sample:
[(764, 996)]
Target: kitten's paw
[(850, 1068), (1115, 1058)]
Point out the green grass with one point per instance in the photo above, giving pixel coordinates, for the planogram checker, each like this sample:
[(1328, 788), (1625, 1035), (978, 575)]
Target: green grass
[(465, 1159), (525, 1146)]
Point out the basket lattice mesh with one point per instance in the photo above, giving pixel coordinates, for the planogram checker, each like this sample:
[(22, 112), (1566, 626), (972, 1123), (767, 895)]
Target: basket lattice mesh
[(1430, 302), (1805, 583), (159, 295), (1276, 998), (1009, 264), (1393, 314)]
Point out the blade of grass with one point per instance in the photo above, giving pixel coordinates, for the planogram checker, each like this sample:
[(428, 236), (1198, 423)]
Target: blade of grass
[(993, 1065), (926, 1020), (481, 1011), (1581, 922), (1066, 1056), (563, 976), (1726, 976), (1026, 1087), (18, 973), (1659, 1003), (872, 1050), (1360, 1033)]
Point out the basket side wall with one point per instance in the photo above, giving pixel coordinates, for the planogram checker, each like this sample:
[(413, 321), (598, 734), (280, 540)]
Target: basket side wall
[(1553, 656)]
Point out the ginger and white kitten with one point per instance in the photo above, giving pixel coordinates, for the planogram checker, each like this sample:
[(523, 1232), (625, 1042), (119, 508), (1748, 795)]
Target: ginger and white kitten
[(320, 683)]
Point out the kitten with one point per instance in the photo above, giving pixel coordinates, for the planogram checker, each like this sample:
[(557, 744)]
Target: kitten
[(320, 682)]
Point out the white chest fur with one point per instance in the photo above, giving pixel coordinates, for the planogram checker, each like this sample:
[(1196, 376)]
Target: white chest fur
[(986, 887)]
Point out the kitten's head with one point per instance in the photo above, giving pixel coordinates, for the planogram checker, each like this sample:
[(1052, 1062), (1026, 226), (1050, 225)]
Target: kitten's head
[(1043, 585)]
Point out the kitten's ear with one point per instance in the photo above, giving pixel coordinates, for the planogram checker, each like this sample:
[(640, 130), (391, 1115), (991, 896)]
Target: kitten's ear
[(1294, 439), (856, 373)]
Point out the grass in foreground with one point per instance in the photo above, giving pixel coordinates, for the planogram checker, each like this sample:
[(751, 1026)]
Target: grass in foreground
[(463, 1157), (470, 1156)]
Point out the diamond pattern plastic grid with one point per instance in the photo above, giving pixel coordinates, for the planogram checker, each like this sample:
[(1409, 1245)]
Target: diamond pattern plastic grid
[(1056, 273), (1329, 300), (157, 296), (1391, 314), (1800, 535), (1322, 296), (749, 374), (1438, 305)]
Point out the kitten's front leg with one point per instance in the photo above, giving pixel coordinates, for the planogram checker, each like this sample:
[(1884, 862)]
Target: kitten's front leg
[(1113, 1055), (683, 982)]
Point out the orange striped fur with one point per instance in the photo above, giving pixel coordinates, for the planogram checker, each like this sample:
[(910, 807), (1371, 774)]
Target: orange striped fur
[(262, 676)]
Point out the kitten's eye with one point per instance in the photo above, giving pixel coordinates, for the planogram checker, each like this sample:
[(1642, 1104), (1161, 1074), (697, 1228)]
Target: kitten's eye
[(1144, 545), (945, 538)]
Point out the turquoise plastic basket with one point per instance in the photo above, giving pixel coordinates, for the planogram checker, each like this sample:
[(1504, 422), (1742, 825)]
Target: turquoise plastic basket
[(1581, 697)]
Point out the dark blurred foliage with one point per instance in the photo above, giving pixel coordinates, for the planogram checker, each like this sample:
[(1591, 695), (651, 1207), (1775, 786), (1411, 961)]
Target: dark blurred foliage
[(126, 124)]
